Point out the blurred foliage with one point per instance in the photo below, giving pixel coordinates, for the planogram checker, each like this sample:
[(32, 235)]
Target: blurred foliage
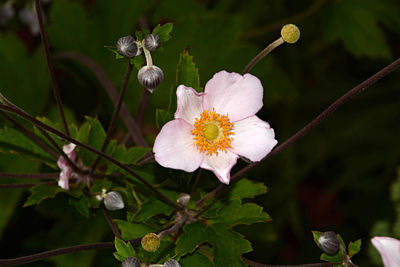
[(335, 178)]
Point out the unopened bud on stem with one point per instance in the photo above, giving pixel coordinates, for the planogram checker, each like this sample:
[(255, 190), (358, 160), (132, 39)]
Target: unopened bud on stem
[(152, 42), (127, 46), (329, 242), (113, 201), (131, 262), (172, 263), (150, 77)]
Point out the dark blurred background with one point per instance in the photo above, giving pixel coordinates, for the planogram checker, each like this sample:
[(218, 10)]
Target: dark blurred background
[(337, 177)]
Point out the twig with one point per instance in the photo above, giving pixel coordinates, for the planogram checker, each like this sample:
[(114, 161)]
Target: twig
[(50, 65), (339, 102), (91, 149), (131, 125), (142, 106), (24, 185), (29, 175), (112, 225), (115, 115), (55, 252), (278, 24), (30, 135)]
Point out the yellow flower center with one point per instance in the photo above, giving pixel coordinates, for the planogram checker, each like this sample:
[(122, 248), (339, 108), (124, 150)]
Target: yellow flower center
[(212, 132)]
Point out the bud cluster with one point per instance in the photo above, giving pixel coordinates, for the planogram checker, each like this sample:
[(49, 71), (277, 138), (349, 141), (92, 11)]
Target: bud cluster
[(149, 76)]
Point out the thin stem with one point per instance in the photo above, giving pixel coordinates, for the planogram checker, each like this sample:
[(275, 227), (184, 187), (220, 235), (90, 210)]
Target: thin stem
[(332, 108), (24, 185), (196, 183), (91, 149), (262, 54), (50, 65), (29, 175), (147, 55), (112, 225), (115, 114), (142, 106), (30, 135), (131, 125), (56, 252)]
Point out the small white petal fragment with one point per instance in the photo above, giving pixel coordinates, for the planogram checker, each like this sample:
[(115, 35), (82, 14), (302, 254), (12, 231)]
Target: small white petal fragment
[(389, 248), (113, 201)]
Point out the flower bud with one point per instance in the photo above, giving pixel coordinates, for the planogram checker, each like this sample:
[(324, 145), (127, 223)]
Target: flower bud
[(183, 199), (131, 262), (150, 77), (114, 201), (290, 33), (172, 263), (152, 42), (127, 47), (150, 242), (329, 242)]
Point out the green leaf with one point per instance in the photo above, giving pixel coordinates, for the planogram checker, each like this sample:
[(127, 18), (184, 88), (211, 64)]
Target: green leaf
[(14, 142), (137, 62), (164, 31), (127, 156), (131, 231), (41, 192), (354, 247), (337, 258), (162, 117), (187, 73), (235, 213), (81, 205), (114, 50), (228, 245), (124, 249), (245, 188), (153, 206), (195, 259)]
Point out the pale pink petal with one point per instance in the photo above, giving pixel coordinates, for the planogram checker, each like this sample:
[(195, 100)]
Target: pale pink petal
[(253, 138), (174, 147), (220, 164), (63, 181), (389, 248), (62, 163), (69, 148), (239, 96), (190, 104)]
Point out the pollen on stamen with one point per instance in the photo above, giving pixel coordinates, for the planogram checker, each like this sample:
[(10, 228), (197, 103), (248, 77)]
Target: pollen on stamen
[(221, 142)]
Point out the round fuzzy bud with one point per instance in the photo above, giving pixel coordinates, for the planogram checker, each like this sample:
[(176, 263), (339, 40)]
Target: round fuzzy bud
[(114, 201), (150, 242), (131, 262), (183, 199), (329, 242), (172, 263), (150, 77), (152, 42), (290, 33), (127, 46)]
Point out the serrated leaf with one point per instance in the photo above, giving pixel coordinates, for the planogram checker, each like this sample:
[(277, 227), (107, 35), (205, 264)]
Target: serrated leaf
[(162, 117), (164, 31), (235, 213), (187, 73), (41, 192), (153, 206), (245, 188), (124, 249), (354, 247), (195, 259), (228, 245), (131, 231), (81, 205)]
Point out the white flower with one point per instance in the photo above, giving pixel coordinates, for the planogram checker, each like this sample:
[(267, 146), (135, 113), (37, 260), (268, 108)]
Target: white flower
[(389, 248), (213, 128)]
